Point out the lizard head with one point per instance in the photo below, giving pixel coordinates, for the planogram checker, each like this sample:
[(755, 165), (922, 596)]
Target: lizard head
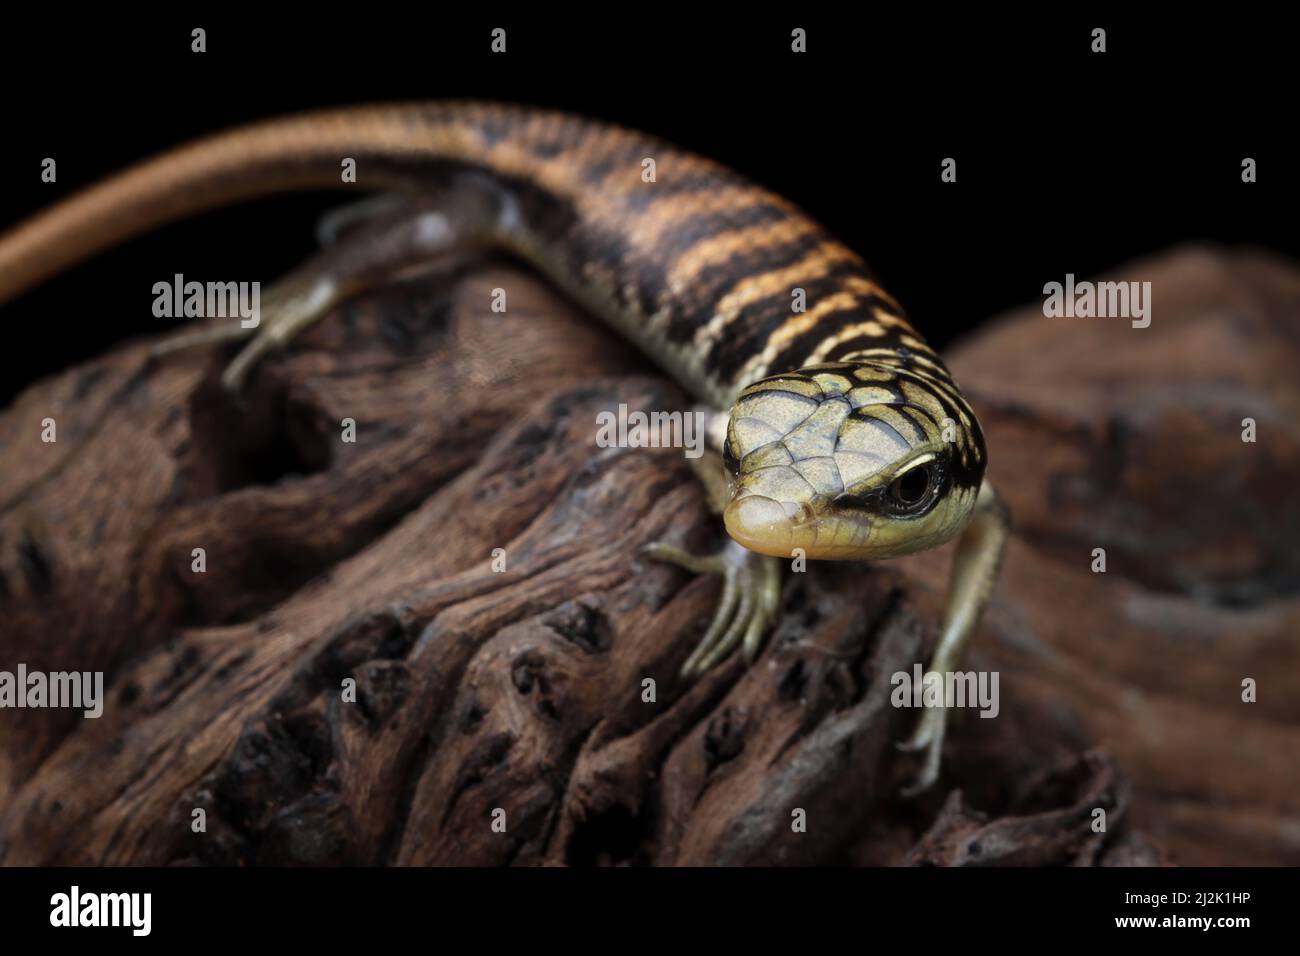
[(850, 461)]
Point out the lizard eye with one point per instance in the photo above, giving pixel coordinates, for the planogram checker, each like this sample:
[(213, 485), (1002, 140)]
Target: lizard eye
[(911, 491)]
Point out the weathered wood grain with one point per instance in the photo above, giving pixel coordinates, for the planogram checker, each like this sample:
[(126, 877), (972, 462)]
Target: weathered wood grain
[(523, 690)]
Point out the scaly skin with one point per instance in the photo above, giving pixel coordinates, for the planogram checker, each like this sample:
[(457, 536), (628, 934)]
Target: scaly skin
[(847, 437)]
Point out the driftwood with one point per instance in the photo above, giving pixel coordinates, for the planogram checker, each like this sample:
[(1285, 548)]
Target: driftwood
[(522, 690)]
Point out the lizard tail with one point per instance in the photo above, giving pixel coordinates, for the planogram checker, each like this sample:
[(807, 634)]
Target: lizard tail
[(304, 152)]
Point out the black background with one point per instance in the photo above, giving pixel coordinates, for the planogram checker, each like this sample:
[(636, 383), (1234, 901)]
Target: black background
[(1067, 161), (726, 910)]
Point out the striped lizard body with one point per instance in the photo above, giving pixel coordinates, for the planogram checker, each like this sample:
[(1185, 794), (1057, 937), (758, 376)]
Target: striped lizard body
[(847, 437)]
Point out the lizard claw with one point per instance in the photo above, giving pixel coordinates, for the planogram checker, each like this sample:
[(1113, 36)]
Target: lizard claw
[(751, 591), (927, 737)]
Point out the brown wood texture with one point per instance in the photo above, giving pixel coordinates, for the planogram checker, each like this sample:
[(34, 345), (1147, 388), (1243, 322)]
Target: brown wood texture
[(523, 690)]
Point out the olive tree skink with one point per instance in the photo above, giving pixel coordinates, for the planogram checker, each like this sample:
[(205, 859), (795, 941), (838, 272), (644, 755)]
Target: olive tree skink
[(846, 437)]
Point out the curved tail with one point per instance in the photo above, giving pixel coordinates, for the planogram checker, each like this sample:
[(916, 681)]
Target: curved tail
[(275, 156)]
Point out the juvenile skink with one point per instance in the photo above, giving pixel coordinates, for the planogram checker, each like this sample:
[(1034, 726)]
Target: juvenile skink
[(840, 433)]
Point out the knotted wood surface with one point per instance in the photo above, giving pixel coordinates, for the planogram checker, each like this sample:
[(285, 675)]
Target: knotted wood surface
[(524, 690)]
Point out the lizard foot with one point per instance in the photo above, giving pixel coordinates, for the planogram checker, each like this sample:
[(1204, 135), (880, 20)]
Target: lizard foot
[(366, 246), (286, 308), (751, 594), (927, 737)]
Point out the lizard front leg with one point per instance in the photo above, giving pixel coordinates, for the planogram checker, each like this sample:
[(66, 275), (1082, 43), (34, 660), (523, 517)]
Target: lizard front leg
[(974, 572), (751, 583), (751, 593), (367, 245)]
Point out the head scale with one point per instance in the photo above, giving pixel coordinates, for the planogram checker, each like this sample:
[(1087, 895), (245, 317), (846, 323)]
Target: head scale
[(851, 461)]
